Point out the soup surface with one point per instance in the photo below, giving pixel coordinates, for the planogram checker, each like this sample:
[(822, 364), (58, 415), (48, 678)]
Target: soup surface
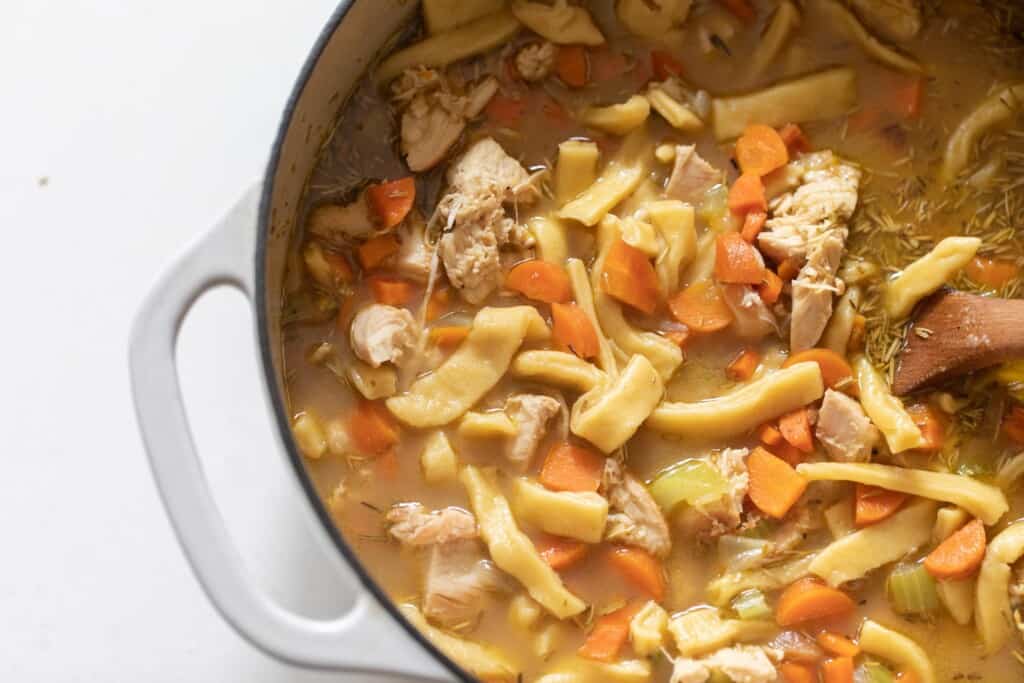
[(599, 329)]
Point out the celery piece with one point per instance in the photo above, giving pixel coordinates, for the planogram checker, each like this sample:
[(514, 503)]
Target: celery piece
[(714, 209), (690, 481), (751, 604), (912, 590), (876, 672)]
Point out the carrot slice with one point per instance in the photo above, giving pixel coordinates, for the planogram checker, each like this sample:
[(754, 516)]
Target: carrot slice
[(769, 435), (639, 568), (770, 288), (799, 672), (774, 485), (392, 201), (788, 270), (571, 330), (994, 273), (787, 452), (873, 504), (1013, 424), (540, 281), (376, 250), (438, 303), (810, 599), (629, 277), (741, 9), (838, 670), (559, 552), (752, 225), (960, 555), (665, 65), (505, 111), (736, 261), (568, 467), (571, 65), (701, 308), (448, 336), (747, 194), (933, 430), (906, 95), (796, 141), (610, 633), (372, 428), (743, 366), (391, 291), (835, 371), (761, 150), (838, 645), (796, 429)]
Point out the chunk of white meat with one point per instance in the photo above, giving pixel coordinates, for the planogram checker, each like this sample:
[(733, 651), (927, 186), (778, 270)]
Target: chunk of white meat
[(686, 670), (813, 290), (896, 20), (471, 257), (535, 61), (744, 664), (752, 319), (713, 518), (337, 222), (383, 334), (415, 254), (635, 517), (413, 525), (530, 413), (486, 169), (691, 176), (800, 521), (844, 429)]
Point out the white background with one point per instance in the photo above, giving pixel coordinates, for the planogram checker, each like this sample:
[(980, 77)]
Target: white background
[(129, 127)]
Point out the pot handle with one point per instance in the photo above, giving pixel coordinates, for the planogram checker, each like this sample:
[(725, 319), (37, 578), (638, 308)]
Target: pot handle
[(366, 639)]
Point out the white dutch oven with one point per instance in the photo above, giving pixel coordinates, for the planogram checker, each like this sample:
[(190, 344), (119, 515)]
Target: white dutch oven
[(247, 250)]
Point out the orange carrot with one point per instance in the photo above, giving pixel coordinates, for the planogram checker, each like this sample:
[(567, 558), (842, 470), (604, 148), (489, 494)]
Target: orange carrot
[(994, 273), (770, 288), (540, 281), (743, 366), (438, 303), (752, 225), (736, 261), (796, 141), (796, 429), (448, 336), (741, 9), (568, 467), (678, 336), (873, 504), (629, 277), (639, 568), (1013, 424), (610, 633), (905, 96), (810, 599), (787, 452), (960, 555), (376, 250), (391, 291), (392, 201), (838, 645), (774, 485), (571, 330), (933, 430), (701, 308), (747, 194), (571, 65), (665, 65), (371, 428), (835, 371), (838, 670), (799, 672), (769, 435), (788, 270), (505, 111), (559, 552), (761, 150)]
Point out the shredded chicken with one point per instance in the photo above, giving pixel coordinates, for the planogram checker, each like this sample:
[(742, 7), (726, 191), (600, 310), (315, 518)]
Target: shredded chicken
[(383, 334), (686, 670), (752, 319), (413, 525), (530, 413), (844, 429), (741, 664), (535, 61), (896, 20), (635, 518), (710, 519), (413, 258), (691, 176)]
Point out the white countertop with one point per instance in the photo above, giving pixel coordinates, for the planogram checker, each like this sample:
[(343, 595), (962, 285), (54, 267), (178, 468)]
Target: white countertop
[(129, 128)]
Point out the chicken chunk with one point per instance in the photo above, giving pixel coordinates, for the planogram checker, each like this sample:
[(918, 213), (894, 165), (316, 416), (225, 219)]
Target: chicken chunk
[(896, 20), (486, 169), (383, 334), (635, 517), (813, 290), (415, 254), (744, 664), (710, 519), (530, 413), (535, 61), (686, 670), (844, 429), (691, 176), (340, 223), (413, 525), (752, 319)]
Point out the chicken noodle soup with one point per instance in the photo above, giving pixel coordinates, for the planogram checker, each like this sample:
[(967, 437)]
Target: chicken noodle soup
[(593, 324)]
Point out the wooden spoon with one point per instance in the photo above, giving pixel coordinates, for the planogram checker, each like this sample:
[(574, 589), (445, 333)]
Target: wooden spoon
[(955, 333)]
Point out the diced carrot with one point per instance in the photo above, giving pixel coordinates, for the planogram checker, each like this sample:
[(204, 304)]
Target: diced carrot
[(376, 250), (907, 676), (810, 599), (391, 291), (392, 201), (629, 277), (701, 308), (761, 150), (835, 371), (610, 633), (665, 65), (796, 141), (857, 334), (568, 467), (994, 273), (386, 465), (837, 670), (741, 9), (505, 111), (607, 65), (788, 270), (1013, 424), (838, 645), (540, 281), (737, 261), (906, 95), (770, 288), (769, 435), (774, 485), (448, 336), (559, 552), (795, 427), (571, 330), (372, 428), (747, 194), (873, 504), (960, 555), (438, 303), (639, 568), (799, 672), (933, 429), (571, 65), (752, 225), (787, 452), (743, 366)]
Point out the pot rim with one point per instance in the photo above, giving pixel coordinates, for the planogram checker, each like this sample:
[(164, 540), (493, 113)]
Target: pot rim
[(266, 357)]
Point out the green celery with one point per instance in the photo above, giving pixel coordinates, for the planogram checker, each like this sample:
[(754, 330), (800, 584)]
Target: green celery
[(912, 590), (751, 605), (691, 481)]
